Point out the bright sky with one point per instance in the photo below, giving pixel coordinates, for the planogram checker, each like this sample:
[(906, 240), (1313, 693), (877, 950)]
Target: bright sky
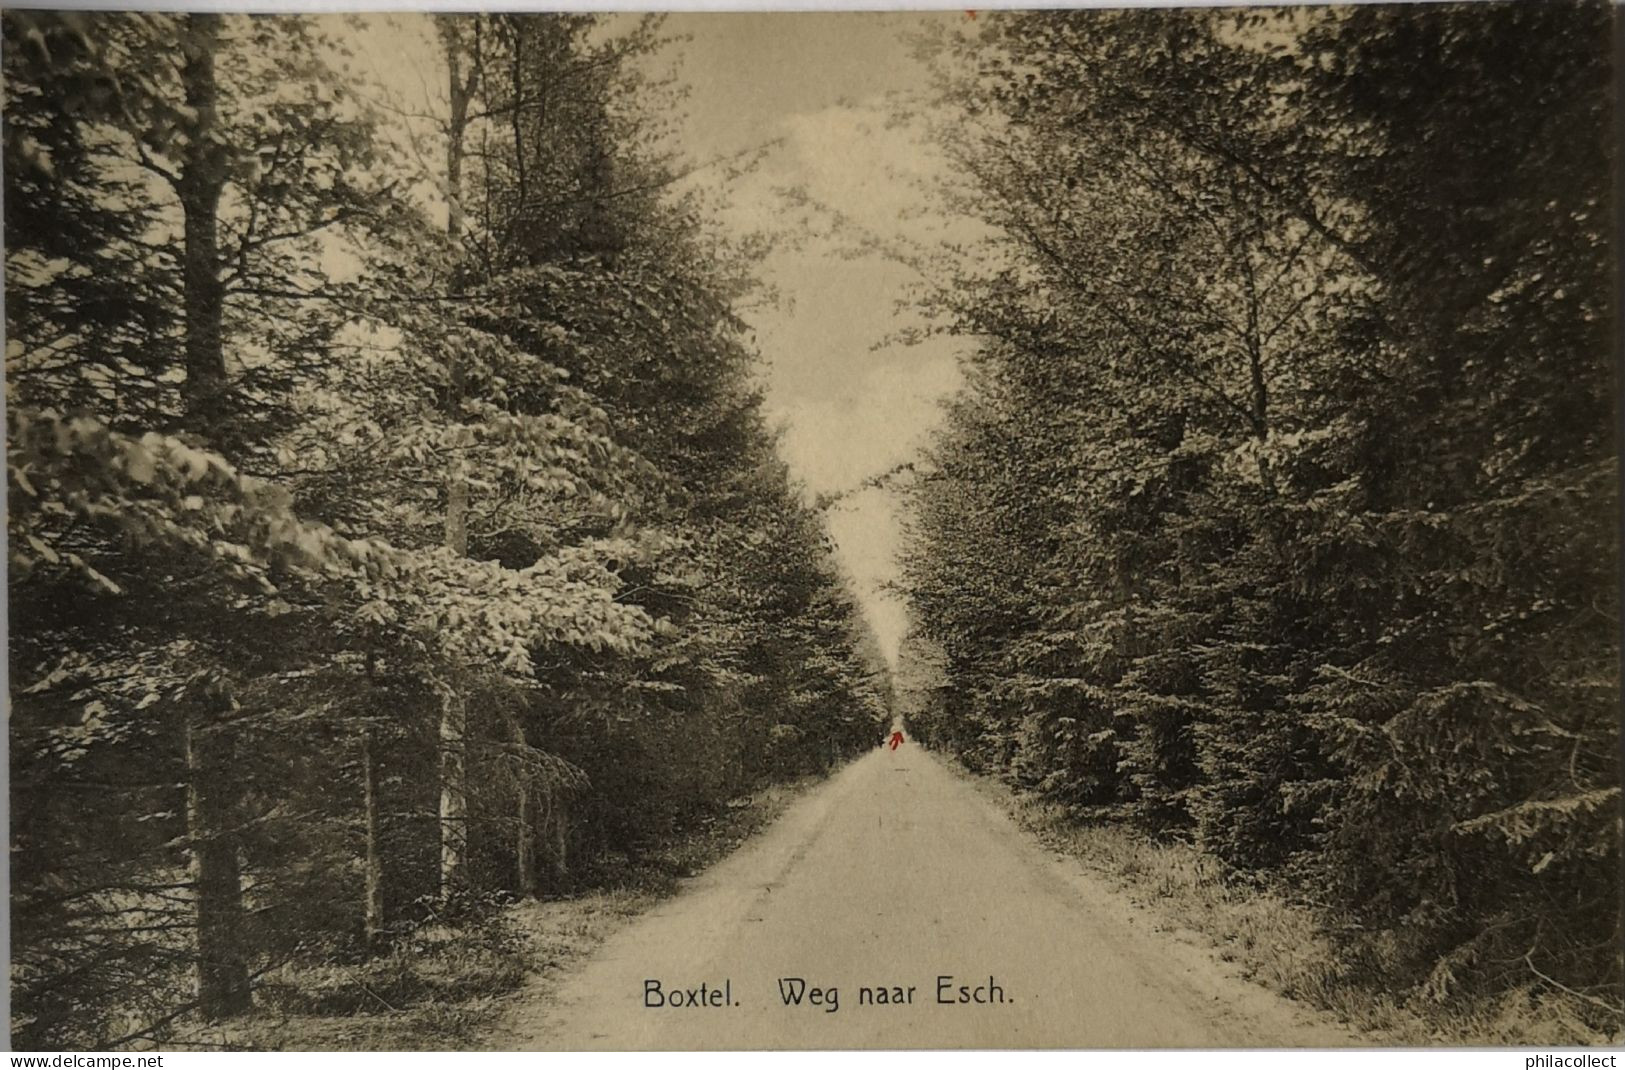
[(820, 86), (850, 408)]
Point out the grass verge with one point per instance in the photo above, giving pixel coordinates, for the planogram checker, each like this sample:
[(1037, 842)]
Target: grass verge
[(1289, 947), (445, 988)]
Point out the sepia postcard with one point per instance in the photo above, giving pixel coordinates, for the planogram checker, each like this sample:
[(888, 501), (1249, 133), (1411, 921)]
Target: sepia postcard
[(756, 530)]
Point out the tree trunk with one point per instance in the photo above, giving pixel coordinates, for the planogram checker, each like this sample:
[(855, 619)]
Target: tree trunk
[(557, 842), (217, 888), (461, 90), (525, 834), (515, 116), (453, 793), (217, 885), (202, 177), (374, 861), (453, 712)]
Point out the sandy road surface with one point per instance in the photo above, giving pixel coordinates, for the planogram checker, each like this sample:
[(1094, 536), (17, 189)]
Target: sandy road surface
[(893, 874)]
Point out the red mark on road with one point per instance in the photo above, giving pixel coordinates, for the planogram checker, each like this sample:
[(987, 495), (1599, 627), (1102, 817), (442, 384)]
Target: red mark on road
[(896, 738)]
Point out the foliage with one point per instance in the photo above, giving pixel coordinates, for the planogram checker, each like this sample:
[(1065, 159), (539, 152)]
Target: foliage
[(1278, 513), (344, 543)]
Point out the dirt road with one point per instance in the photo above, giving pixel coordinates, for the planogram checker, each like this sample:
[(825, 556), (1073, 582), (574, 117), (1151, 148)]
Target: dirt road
[(896, 874)]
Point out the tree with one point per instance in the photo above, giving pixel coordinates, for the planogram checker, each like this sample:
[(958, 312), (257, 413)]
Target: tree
[(366, 567), (1237, 526)]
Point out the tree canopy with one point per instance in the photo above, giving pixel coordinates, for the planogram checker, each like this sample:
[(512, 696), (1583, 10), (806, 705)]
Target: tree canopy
[(394, 523), (1278, 514)]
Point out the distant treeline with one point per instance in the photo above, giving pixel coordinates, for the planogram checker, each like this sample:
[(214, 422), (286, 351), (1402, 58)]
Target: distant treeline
[(394, 527), (1279, 511)]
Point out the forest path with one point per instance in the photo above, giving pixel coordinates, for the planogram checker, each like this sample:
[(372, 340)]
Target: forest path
[(894, 872)]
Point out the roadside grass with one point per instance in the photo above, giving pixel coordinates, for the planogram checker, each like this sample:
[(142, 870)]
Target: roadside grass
[(444, 987), (1291, 947)]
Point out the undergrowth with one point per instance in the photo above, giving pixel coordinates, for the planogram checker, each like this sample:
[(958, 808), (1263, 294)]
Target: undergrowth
[(442, 986), (1302, 950)]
